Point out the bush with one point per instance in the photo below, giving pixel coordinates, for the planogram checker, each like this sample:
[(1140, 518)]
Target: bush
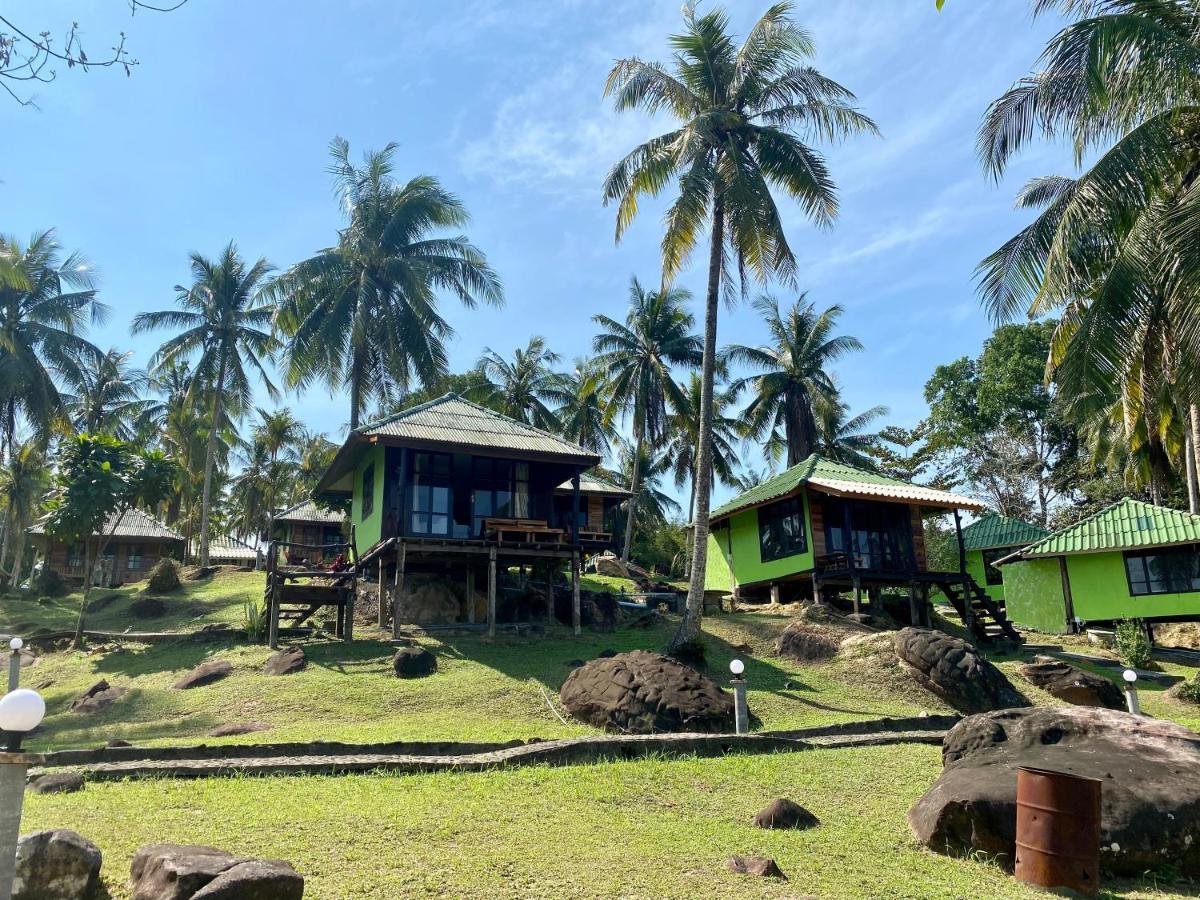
[(690, 653), (1133, 647), (1189, 690), (254, 621), (164, 577), (48, 583)]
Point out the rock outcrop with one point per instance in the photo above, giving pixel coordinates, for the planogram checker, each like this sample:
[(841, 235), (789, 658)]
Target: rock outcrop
[(955, 671), (56, 865), (1066, 682), (413, 662), (287, 661), (207, 672), (784, 813), (180, 872)]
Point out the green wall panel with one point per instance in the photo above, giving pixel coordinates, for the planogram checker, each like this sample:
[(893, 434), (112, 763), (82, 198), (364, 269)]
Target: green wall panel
[(976, 570), (367, 531), (1100, 591), (718, 576), (743, 549), (1034, 595)]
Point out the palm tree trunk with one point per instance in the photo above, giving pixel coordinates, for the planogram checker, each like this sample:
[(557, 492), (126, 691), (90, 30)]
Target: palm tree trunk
[(634, 483), (1193, 469), (703, 480), (209, 461), (7, 523), (18, 554), (356, 376)]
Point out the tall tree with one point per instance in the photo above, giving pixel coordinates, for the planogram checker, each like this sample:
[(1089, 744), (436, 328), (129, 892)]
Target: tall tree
[(364, 314), (225, 321), (24, 479), (584, 417), (793, 381), (46, 301), (525, 388), (683, 445), (739, 111), (110, 398), (844, 437), (636, 359)]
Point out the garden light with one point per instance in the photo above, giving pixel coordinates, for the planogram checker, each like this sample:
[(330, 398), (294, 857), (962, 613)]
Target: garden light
[(21, 711), (741, 714), (737, 667), (14, 663), (1131, 694)]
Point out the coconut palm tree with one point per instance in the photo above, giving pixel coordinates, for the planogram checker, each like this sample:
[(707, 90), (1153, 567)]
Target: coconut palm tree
[(728, 431), (525, 388), (635, 358), (223, 320), (584, 417), (24, 481), (110, 398), (364, 313), (644, 481), (316, 455), (793, 380), (738, 111), (46, 301), (844, 438)]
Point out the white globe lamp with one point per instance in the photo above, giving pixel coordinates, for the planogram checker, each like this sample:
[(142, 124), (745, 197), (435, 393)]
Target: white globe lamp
[(21, 711)]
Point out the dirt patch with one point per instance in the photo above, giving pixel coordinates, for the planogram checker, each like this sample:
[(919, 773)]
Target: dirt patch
[(1178, 634)]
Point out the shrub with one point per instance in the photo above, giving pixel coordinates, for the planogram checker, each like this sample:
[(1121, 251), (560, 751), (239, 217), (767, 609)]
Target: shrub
[(164, 577), (1133, 647), (254, 621), (1189, 690), (48, 583)]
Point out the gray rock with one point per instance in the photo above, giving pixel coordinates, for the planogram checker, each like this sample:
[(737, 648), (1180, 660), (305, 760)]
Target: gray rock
[(955, 671), (1150, 794), (784, 813), (176, 871), (1066, 682), (206, 673), (56, 783), (287, 661), (256, 879), (97, 697), (806, 643), (235, 728), (762, 866), (56, 865), (413, 662)]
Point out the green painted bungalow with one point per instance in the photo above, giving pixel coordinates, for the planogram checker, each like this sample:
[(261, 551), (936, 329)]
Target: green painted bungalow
[(992, 537), (823, 528), (1129, 560)]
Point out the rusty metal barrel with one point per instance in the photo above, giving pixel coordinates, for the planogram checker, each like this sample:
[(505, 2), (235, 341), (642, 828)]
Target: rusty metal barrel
[(1058, 830)]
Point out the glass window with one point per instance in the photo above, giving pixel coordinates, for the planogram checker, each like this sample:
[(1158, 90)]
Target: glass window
[(429, 494), (880, 534), (1165, 570), (133, 559), (781, 530), (500, 488), (75, 555), (368, 491), (991, 574)]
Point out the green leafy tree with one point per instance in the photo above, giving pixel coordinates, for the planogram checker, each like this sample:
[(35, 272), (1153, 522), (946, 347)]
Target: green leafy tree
[(98, 479), (903, 453), (46, 301), (739, 113), (224, 321), (636, 357), (110, 398), (525, 388), (364, 314)]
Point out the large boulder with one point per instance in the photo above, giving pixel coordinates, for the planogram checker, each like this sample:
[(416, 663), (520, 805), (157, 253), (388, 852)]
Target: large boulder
[(181, 872), (611, 567), (1150, 792), (803, 642), (784, 813), (206, 673), (287, 661), (97, 697), (56, 865), (955, 671), (1064, 681), (643, 692), (413, 662)]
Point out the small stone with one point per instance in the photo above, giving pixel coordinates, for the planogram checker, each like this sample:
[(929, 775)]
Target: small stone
[(98, 696), (117, 743), (413, 662), (56, 783), (56, 865), (287, 661), (784, 813), (255, 879), (606, 654), (573, 663), (206, 673), (762, 866)]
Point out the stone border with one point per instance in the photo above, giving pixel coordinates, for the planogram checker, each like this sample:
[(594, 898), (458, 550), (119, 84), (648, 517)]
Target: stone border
[(329, 759)]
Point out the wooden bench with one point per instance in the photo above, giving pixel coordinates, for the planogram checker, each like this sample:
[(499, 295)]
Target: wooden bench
[(601, 537), (522, 531)]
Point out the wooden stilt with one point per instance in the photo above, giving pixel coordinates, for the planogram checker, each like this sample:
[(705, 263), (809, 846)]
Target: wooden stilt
[(491, 611), (857, 596), (348, 614), (914, 611), (383, 598), (575, 610), (471, 593), (775, 594), (398, 593)]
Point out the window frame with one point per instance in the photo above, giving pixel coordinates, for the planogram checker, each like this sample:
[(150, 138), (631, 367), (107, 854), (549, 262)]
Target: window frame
[(772, 514), (989, 568), (73, 561), (130, 556), (421, 483), (368, 496), (1128, 556)]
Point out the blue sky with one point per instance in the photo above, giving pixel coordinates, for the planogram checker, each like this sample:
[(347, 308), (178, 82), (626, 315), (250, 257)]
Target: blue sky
[(221, 134)]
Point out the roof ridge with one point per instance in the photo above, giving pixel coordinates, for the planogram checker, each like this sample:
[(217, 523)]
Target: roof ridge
[(407, 411), (507, 418)]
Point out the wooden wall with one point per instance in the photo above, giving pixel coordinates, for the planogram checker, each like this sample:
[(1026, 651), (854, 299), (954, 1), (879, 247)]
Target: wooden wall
[(57, 556)]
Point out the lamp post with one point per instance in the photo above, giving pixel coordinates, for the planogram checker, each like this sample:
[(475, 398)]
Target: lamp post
[(14, 663), (1131, 694), (21, 711), (741, 714)]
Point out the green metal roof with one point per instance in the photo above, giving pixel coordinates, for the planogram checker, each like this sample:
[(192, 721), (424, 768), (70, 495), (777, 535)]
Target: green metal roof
[(1126, 525), (993, 530), (842, 479)]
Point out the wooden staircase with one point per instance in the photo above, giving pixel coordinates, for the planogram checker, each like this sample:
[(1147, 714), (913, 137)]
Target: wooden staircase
[(295, 593), (986, 619)]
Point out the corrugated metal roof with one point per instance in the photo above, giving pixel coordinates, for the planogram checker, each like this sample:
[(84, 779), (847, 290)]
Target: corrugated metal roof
[(840, 478), (308, 511), (993, 530), (222, 546), (593, 484), (133, 524), (1126, 525), (456, 422)]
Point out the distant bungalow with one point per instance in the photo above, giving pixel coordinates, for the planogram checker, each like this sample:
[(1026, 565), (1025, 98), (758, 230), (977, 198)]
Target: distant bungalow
[(310, 525), (137, 543), (992, 537), (224, 550)]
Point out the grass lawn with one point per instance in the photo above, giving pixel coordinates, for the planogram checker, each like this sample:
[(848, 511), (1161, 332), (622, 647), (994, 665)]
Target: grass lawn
[(649, 828)]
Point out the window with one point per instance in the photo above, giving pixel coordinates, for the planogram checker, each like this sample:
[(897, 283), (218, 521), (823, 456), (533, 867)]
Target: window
[(368, 491), (133, 558), (501, 491), (781, 530), (880, 534), (75, 555), (332, 534), (991, 574), (429, 494), (1165, 570)]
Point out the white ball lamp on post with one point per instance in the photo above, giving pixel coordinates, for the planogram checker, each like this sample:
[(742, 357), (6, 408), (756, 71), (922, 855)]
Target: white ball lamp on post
[(1131, 694), (741, 713), (14, 663), (21, 711)]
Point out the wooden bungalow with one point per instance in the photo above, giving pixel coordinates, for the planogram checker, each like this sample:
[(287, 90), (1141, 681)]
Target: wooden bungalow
[(452, 491), (822, 529), (309, 525), (992, 537), (138, 542), (224, 550)]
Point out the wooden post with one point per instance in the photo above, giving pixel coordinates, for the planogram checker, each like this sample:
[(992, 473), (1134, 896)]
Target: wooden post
[(775, 594), (575, 610), (348, 595), (382, 596), (471, 593), (397, 612), (857, 596), (962, 550), (272, 600), (491, 611), (914, 613)]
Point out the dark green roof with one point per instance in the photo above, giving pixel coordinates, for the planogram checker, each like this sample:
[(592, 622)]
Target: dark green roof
[(1126, 525), (994, 530), (842, 479)]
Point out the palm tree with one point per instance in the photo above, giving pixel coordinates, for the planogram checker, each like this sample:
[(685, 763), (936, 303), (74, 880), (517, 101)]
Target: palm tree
[(845, 439), (793, 381), (653, 505), (728, 430), (46, 300), (525, 388), (636, 358), (584, 417), (225, 320), (278, 434), (364, 313), (316, 455), (109, 399), (739, 110), (24, 481)]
